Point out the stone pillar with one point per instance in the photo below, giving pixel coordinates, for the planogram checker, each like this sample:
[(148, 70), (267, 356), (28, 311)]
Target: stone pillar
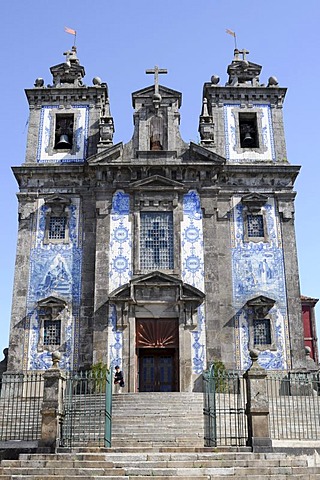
[(257, 408), (52, 406)]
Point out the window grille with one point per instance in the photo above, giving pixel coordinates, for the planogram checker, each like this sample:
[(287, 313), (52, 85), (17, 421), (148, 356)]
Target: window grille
[(255, 225), (156, 240), (52, 332), (262, 331), (57, 228)]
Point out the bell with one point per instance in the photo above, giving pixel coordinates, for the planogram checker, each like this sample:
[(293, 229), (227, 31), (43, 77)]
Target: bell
[(248, 140), (64, 142)]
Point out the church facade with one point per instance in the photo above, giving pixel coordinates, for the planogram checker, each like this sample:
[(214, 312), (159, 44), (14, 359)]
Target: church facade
[(156, 255)]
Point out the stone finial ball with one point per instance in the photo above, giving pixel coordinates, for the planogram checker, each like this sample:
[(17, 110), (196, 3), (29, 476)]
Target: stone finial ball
[(56, 357), (157, 97), (96, 81), (39, 82), (254, 354), (215, 79), (272, 81)]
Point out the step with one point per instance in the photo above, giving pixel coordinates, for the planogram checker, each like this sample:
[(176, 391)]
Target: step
[(180, 465)]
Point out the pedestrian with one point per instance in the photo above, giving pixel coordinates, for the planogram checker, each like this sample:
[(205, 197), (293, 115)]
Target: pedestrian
[(118, 380)]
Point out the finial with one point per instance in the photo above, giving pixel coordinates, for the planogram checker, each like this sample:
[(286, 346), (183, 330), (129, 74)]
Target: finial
[(39, 82), (56, 357), (273, 82), (215, 79), (254, 355), (96, 81), (205, 112)]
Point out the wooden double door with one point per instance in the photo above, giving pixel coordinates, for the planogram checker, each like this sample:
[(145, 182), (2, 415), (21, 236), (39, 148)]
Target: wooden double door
[(158, 355)]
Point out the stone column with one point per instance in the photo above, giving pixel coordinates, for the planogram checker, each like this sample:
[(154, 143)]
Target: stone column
[(52, 406), (257, 408)]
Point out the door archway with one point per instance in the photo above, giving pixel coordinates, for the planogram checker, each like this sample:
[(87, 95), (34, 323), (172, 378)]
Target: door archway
[(158, 354)]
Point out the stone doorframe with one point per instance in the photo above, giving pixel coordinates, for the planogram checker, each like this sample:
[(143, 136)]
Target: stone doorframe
[(157, 295)]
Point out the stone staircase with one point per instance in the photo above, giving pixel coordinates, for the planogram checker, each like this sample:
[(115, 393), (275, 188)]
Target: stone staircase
[(159, 436), (147, 464), (158, 420)]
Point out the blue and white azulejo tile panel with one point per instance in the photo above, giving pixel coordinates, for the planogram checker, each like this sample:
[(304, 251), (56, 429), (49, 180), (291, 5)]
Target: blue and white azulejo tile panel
[(120, 265), (192, 267), (46, 152), (258, 269), (55, 271), (236, 154)]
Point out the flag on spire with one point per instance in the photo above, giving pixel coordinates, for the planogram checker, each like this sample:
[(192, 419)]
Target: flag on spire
[(70, 30), (231, 32)]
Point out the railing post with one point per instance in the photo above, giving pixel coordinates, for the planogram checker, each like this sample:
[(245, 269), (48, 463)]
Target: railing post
[(52, 406), (257, 408), (108, 410)]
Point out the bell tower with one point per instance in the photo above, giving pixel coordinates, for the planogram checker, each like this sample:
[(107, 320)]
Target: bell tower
[(68, 122), (243, 122)]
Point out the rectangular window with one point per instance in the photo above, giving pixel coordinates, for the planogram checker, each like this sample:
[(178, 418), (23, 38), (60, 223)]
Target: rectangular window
[(156, 240), (52, 332), (248, 130), (255, 225), (57, 228), (262, 331)]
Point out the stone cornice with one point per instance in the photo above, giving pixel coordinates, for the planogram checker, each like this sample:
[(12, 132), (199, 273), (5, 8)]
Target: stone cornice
[(217, 94), (81, 95)]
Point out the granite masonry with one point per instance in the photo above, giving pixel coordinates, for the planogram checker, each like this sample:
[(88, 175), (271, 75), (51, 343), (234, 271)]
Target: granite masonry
[(156, 255)]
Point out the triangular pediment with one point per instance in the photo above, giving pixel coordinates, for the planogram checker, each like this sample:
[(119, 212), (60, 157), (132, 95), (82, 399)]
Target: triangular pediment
[(57, 200), (156, 277), (200, 153), (107, 156), (149, 92), (156, 182), (254, 197), (261, 301), (160, 280), (254, 201), (51, 301)]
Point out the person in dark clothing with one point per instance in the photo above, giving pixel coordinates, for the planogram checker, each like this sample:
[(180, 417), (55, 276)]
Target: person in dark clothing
[(118, 380)]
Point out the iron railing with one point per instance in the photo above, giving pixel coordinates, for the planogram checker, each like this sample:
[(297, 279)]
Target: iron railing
[(294, 405), (20, 406), (87, 410), (224, 408)]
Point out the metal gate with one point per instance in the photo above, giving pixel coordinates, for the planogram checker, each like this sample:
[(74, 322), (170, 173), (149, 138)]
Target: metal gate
[(21, 396), (87, 410), (224, 408)]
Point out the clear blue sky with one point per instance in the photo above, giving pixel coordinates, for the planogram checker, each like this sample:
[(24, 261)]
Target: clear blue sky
[(118, 40)]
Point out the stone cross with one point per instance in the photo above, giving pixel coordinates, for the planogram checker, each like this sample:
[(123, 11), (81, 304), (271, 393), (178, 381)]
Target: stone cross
[(244, 53), (156, 71)]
